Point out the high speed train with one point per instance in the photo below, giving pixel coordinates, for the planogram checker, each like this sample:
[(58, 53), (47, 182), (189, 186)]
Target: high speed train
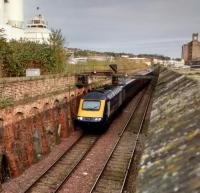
[(99, 105)]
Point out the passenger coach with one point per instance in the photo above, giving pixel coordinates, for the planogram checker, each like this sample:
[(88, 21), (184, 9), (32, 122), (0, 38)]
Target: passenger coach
[(98, 106)]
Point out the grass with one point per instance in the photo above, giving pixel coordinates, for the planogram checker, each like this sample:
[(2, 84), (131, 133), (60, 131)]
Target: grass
[(124, 65), (5, 101)]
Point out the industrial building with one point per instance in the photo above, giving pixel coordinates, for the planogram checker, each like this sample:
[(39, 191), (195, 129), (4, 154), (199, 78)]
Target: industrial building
[(12, 22), (12, 18), (191, 51)]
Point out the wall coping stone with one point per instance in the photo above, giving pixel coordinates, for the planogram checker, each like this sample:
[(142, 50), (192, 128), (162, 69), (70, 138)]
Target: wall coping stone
[(42, 77)]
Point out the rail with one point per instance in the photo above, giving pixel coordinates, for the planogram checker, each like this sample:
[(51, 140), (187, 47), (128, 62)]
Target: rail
[(59, 182), (117, 143)]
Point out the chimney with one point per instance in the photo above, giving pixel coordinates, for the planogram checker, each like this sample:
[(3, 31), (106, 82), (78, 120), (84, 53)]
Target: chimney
[(195, 37)]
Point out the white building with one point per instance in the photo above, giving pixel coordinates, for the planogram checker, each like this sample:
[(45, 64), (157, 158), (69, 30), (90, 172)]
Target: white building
[(12, 21), (76, 60), (147, 61), (101, 58), (171, 63), (37, 30), (12, 18)]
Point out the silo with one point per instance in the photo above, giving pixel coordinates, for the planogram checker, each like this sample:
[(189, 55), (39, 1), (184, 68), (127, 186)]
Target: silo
[(14, 13), (1, 12)]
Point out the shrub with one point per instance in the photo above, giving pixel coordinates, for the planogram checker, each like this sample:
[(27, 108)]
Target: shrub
[(5, 101)]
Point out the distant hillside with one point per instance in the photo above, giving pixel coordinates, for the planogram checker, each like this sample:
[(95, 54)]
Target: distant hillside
[(81, 52)]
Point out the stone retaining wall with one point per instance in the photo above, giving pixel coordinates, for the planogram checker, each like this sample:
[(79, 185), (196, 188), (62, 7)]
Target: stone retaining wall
[(23, 87), (26, 137), (170, 162), (30, 130)]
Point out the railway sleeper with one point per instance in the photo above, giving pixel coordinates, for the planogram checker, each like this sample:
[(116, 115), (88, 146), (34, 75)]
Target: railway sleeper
[(106, 185), (110, 189), (121, 157), (116, 167), (120, 161), (114, 172), (125, 151), (115, 178)]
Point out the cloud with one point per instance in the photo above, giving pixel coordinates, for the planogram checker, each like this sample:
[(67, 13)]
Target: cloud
[(131, 24)]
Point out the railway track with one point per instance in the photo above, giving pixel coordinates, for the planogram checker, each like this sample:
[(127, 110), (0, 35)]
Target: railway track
[(53, 178), (113, 176)]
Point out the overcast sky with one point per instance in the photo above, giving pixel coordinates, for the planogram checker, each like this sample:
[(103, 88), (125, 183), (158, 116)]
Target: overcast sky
[(134, 26)]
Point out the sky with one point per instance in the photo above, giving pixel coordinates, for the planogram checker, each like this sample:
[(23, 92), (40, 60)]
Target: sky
[(132, 26)]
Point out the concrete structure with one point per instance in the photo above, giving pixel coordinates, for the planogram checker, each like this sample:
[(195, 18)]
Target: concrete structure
[(14, 14), (191, 51), (12, 21), (37, 30), (12, 18), (1, 12)]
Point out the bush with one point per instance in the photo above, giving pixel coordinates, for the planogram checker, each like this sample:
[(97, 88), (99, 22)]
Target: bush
[(17, 56), (5, 101)]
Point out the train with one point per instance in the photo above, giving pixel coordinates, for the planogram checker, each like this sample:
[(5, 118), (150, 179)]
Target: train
[(98, 106)]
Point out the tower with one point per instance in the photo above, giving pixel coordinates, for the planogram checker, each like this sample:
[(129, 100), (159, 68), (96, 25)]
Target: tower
[(1, 12), (12, 19), (14, 13), (37, 30)]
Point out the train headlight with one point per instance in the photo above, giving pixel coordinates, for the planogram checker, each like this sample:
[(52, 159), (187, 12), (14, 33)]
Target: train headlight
[(80, 118), (97, 119)]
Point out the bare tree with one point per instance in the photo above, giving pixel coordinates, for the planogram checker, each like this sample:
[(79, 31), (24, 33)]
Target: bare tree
[(56, 39)]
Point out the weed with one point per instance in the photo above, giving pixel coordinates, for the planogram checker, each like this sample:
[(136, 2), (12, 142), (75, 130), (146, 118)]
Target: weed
[(5, 101)]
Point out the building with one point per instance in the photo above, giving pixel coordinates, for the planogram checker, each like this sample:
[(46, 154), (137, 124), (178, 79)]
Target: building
[(12, 21), (78, 60), (171, 63), (37, 30), (12, 18), (137, 60), (191, 51)]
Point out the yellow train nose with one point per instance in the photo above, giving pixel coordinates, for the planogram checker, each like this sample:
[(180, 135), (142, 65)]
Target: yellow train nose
[(91, 108)]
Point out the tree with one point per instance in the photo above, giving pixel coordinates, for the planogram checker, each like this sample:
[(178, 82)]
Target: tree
[(56, 39)]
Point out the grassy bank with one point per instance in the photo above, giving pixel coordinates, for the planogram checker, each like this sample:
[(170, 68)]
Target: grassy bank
[(124, 65)]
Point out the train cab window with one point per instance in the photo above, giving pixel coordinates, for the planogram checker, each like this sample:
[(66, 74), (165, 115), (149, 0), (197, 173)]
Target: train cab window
[(91, 105)]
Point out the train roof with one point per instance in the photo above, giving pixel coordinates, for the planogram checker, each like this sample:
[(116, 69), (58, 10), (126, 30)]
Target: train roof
[(109, 92), (128, 81), (145, 72), (103, 93)]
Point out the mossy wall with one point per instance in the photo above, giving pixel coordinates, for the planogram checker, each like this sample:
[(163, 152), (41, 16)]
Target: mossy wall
[(171, 159)]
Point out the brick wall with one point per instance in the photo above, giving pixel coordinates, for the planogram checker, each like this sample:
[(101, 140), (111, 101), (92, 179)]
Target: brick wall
[(43, 113), (23, 87), (29, 131)]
